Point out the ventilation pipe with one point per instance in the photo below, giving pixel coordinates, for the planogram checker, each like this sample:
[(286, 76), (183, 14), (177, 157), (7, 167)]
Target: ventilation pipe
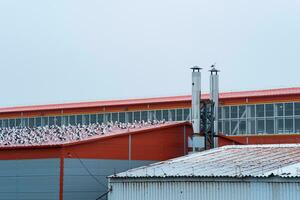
[(214, 97)]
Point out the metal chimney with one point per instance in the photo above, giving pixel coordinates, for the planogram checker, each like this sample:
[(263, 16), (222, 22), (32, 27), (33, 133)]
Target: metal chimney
[(196, 112), (214, 97)]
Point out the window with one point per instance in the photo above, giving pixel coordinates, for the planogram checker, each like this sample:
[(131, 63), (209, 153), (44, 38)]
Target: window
[(260, 110), (151, 114), (179, 115), (242, 127), (100, 118), (0, 123), (171, 116), (289, 125), (38, 121), (58, 120), (158, 115), (251, 111), (297, 125), (242, 111), (51, 121), (220, 127), (279, 125), (226, 127), (144, 115), (279, 109), (31, 122), (220, 112), (12, 123), (251, 126), (270, 126), (260, 126), (65, 120), (234, 127), (297, 108), (86, 119), (107, 117), (137, 116), (115, 117), (122, 117), (269, 110), (234, 111), (18, 122), (72, 120), (129, 116), (288, 109), (187, 116), (93, 118), (5, 123), (226, 112), (45, 121), (165, 115), (78, 119)]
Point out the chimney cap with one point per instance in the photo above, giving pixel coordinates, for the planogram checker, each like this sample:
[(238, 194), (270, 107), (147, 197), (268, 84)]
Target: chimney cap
[(213, 69), (196, 68)]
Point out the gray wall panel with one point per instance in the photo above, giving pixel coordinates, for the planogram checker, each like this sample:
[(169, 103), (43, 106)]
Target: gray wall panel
[(79, 184), (34, 179)]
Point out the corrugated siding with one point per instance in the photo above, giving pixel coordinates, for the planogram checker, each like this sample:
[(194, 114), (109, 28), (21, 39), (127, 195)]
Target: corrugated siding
[(205, 190), (29, 179), (80, 185)]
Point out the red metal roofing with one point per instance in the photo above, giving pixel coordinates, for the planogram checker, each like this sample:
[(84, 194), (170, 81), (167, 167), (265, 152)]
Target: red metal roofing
[(223, 96), (100, 137)]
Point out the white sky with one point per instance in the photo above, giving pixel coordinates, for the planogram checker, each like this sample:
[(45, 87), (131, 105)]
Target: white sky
[(56, 51)]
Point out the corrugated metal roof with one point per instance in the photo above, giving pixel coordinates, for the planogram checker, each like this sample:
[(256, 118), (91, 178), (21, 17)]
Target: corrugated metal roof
[(223, 96), (228, 161)]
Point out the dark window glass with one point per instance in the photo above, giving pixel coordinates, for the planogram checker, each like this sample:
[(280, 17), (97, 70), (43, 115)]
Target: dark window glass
[(179, 115), (270, 126), (165, 115), (187, 116), (12, 122), (260, 126), (242, 127), (242, 112), (144, 115), (220, 127), (171, 116), (45, 121), (251, 126), (220, 113), (100, 118), (58, 120), (72, 120), (38, 121), (226, 127), (31, 122), (0, 123), (18, 122), (115, 117), (93, 118), (251, 111), (297, 108), (51, 121), (226, 112), (122, 117), (5, 123), (288, 109), (137, 116), (86, 119), (289, 125), (107, 117), (158, 115), (129, 117), (78, 119), (297, 125), (65, 120), (260, 110), (279, 109), (269, 110), (279, 125), (234, 127)]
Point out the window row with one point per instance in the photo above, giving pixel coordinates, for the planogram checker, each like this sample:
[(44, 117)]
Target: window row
[(260, 126), (260, 110), (168, 115)]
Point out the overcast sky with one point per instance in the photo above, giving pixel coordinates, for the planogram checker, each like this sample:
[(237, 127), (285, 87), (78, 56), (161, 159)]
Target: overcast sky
[(56, 51)]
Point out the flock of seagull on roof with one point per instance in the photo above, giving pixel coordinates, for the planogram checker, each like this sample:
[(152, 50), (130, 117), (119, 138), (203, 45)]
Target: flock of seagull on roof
[(24, 136)]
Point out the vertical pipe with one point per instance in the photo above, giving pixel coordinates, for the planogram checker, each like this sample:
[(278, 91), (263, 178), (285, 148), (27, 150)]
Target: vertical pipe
[(61, 177), (214, 97), (196, 109)]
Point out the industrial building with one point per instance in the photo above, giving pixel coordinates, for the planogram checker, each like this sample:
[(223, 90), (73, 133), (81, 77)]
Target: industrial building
[(78, 170), (260, 172)]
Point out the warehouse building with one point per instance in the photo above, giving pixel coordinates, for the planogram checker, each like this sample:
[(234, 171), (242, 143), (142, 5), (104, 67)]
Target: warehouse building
[(77, 170), (260, 172)]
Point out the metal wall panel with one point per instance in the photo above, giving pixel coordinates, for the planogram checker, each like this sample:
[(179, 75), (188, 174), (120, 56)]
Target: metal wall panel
[(80, 175), (36, 179), (208, 190)]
